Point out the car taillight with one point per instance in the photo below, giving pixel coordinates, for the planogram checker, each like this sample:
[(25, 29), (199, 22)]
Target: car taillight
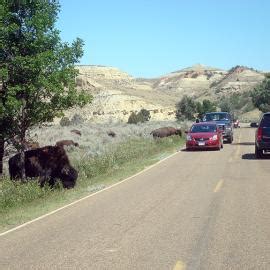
[(259, 134)]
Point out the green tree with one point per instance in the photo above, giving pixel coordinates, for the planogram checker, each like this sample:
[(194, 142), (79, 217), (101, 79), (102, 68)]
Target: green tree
[(209, 106), (145, 115), (261, 96), (37, 70), (142, 116), (204, 107), (225, 105), (134, 118), (186, 108)]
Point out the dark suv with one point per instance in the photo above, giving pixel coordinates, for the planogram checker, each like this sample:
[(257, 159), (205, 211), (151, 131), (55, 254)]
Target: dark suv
[(224, 122), (262, 136)]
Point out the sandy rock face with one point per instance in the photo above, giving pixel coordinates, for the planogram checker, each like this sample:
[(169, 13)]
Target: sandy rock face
[(113, 105), (117, 94)]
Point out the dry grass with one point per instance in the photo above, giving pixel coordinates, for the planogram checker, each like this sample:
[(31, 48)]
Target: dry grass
[(100, 160)]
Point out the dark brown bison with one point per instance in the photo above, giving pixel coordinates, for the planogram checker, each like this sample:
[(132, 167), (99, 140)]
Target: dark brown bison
[(165, 132), (66, 143), (31, 145), (76, 131), (48, 163), (111, 133)]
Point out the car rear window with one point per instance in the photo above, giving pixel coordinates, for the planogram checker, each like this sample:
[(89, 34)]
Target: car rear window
[(265, 122), (203, 128), (216, 117)]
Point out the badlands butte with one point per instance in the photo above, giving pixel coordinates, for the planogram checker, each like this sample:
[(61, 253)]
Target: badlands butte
[(116, 94)]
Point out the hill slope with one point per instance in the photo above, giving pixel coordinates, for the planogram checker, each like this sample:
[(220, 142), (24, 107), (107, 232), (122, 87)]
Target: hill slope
[(117, 94)]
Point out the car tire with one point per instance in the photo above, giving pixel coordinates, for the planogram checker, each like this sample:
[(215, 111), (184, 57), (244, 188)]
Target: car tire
[(258, 152), (230, 140)]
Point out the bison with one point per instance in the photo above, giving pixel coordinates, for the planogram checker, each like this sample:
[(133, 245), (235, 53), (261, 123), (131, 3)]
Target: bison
[(31, 145), (48, 163), (165, 132), (76, 131), (111, 133), (66, 143)]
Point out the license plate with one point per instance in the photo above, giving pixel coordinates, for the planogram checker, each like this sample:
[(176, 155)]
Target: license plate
[(201, 143)]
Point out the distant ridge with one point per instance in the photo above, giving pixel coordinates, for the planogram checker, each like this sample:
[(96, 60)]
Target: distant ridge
[(200, 67)]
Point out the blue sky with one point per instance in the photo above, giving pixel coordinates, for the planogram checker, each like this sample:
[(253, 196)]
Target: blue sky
[(149, 38)]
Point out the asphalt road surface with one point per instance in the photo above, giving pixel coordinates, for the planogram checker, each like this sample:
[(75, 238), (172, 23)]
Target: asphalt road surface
[(196, 210)]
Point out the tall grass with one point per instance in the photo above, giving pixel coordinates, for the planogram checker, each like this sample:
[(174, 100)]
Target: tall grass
[(14, 194), (113, 158), (100, 160)]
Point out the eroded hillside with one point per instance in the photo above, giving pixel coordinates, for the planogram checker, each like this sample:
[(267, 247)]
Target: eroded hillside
[(117, 94)]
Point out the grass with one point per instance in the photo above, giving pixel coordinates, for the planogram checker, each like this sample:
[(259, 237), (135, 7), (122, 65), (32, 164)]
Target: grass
[(20, 202)]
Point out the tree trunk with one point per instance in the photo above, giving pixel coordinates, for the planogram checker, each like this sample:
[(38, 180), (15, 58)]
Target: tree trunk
[(22, 139), (2, 143)]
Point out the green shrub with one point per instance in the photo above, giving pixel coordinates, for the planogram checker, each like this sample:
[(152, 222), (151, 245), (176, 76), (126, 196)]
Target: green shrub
[(261, 96), (186, 108), (142, 116), (145, 115), (64, 122), (77, 119), (135, 118)]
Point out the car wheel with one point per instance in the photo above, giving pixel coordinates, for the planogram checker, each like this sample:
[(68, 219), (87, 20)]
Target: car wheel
[(230, 140), (258, 152)]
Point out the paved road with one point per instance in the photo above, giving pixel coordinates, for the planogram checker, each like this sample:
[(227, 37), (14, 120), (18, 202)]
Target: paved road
[(197, 210)]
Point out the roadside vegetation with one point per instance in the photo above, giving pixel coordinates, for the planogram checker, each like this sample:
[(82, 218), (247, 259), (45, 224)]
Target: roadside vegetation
[(189, 109), (236, 104), (101, 160), (261, 95), (142, 116)]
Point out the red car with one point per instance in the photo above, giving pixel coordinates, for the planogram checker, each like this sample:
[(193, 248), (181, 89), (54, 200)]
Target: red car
[(204, 135)]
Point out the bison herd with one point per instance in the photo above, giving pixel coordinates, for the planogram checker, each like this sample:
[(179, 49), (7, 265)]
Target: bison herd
[(50, 163)]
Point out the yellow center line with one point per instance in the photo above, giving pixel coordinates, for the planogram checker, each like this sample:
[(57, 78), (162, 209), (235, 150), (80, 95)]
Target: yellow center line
[(238, 147), (218, 186), (179, 266), (237, 152)]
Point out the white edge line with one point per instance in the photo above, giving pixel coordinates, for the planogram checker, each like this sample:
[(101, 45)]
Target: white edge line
[(88, 196)]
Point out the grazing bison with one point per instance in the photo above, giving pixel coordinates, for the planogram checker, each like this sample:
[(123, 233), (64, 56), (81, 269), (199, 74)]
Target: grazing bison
[(31, 145), (48, 163), (76, 131), (165, 132), (111, 133), (66, 143)]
